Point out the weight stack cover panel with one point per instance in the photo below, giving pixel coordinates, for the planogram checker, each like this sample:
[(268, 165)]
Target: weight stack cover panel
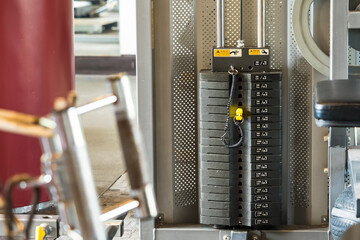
[(240, 186)]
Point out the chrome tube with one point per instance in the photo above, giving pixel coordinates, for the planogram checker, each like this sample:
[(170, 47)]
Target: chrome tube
[(357, 136), (77, 195), (133, 149), (220, 23), (96, 104), (55, 166), (261, 23), (120, 210), (42, 180), (241, 20)]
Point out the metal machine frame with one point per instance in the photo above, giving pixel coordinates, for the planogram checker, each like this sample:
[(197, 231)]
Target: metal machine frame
[(171, 46), (66, 170), (154, 61)]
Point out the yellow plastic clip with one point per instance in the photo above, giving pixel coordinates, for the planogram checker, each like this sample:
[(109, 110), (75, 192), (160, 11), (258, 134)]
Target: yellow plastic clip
[(239, 114), (39, 233)]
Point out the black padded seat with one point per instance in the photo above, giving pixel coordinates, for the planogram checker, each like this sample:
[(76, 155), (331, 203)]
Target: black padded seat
[(337, 103)]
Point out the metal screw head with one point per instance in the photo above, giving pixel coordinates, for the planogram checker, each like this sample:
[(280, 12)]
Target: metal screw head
[(324, 219), (226, 237), (240, 43), (47, 228)]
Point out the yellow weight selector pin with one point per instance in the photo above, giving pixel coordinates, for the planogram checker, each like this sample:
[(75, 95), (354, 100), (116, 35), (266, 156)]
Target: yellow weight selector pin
[(42, 231), (239, 114), (39, 233)]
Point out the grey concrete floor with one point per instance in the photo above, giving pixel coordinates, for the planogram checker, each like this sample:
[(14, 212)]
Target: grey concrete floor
[(100, 132), (103, 144)]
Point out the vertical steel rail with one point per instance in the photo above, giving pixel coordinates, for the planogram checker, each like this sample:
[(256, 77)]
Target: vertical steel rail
[(76, 173), (261, 23), (241, 20), (145, 42), (339, 11), (220, 23), (54, 165), (132, 148)]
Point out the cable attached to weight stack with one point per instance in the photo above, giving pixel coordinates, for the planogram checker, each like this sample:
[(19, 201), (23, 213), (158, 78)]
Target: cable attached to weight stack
[(233, 72)]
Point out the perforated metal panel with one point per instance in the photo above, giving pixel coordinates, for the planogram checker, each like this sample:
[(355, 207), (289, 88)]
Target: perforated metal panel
[(249, 25), (285, 56), (206, 28), (275, 28), (184, 99), (232, 22), (275, 34), (299, 112)]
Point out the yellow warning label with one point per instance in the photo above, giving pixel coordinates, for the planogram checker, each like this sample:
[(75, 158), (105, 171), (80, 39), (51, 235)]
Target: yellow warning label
[(227, 52), (222, 52), (258, 51), (254, 52)]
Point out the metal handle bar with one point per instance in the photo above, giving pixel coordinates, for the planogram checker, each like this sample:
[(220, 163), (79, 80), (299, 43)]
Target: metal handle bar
[(67, 161), (131, 143), (34, 126), (23, 126)]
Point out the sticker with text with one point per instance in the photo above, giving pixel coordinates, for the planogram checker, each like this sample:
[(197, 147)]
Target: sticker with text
[(259, 51), (227, 53)]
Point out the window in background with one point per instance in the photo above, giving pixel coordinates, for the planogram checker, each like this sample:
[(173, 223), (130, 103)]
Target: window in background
[(104, 27)]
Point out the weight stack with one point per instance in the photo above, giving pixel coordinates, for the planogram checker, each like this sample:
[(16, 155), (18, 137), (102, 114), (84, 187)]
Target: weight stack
[(240, 186)]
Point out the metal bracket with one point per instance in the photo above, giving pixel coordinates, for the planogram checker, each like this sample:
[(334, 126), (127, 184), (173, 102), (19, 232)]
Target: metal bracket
[(160, 219), (255, 235), (119, 227), (239, 235), (324, 219), (201, 232), (50, 220), (354, 162)]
